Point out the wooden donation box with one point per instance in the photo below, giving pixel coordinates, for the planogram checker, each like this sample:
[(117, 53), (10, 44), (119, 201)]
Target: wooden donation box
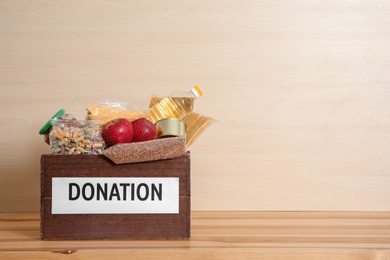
[(88, 197)]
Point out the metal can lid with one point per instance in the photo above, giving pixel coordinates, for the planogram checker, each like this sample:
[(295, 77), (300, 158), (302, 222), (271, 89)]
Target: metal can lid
[(170, 127), (50, 122)]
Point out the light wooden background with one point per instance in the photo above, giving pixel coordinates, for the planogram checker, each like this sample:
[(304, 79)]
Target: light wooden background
[(300, 91)]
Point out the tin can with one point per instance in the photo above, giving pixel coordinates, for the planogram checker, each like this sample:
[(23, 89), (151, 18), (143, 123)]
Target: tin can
[(170, 127)]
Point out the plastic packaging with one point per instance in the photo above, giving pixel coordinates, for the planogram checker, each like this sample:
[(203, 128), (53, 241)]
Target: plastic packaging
[(196, 125), (177, 105), (180, 106), (159, 149), (108, 111), (72, 137)]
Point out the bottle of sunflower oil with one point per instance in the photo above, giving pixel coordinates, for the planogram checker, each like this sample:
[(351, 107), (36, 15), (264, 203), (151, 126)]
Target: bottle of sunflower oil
[(177, 105)]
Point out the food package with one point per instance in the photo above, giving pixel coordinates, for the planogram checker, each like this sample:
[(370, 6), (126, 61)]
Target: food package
[(157, 149), (72, 137), (180, 108), (196, 124), (108, 111)]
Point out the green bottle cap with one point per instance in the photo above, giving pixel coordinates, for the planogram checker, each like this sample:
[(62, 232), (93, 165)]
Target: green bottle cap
[(50, 122)]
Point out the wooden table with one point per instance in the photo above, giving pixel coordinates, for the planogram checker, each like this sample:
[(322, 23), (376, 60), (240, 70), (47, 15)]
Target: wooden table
[(220, 235)]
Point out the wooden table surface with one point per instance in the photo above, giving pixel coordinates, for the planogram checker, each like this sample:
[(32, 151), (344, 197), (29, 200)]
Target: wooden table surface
[(220, 235)]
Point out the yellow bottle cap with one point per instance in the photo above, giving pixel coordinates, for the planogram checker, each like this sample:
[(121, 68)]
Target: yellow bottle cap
[(197, 91)]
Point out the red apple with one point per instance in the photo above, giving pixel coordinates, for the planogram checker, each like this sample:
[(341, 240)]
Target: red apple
[(117, 131), (144, 130)]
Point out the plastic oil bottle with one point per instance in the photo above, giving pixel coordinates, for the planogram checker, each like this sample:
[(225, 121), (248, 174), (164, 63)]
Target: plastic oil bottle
[(177, 105)]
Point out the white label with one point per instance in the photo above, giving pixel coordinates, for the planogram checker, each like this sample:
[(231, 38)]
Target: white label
[(115, 195)]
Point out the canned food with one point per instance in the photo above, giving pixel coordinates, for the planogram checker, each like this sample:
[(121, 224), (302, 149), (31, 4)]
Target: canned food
[(170, 127)]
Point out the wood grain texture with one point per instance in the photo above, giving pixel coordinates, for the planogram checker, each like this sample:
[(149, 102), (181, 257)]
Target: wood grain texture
[(114, 226), (300, 91), (221, 235)]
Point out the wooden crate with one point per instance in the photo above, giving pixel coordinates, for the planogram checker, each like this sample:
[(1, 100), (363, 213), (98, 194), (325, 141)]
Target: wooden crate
[(59, 225)]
